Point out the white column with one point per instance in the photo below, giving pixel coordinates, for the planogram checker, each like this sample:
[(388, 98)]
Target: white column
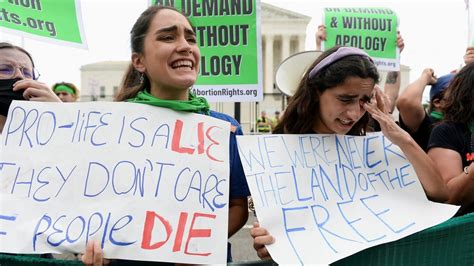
[(301, 43), (268, 63), (285, 46)]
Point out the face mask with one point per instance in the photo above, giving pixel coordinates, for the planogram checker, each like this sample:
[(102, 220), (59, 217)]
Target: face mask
[(7, 95)]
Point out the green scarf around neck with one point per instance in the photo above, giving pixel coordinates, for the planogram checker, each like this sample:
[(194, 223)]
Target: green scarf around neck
[(437, 115), (194, 104), (440, 116)]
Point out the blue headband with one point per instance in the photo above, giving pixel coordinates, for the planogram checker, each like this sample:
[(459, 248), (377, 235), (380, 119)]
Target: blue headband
[(340, 53)]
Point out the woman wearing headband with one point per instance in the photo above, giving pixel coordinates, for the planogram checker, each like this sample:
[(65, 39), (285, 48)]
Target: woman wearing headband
[(66, 91), (336, 97)]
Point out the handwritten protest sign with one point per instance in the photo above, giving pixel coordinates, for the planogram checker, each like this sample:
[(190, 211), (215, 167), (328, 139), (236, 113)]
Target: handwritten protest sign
[(149, 183), (49, 20), (371, 29), (325, 197), (228, 34)]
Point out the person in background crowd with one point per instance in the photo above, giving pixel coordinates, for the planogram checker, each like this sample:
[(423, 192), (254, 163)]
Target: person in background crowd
[(18, 80), (275, 119), (165, 64), (264, 123), (451, 144), (413, 116), (336, 97), (66, 91)]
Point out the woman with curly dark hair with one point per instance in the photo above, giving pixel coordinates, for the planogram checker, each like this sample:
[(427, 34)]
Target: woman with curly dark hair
[(451, 144)]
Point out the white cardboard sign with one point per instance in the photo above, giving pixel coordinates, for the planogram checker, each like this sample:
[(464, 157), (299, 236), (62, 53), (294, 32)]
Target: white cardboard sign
[(149, 183), (325, 197)]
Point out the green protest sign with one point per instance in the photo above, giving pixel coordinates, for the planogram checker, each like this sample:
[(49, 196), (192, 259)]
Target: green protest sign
[(59, 21), (227, 32), (371, 29)]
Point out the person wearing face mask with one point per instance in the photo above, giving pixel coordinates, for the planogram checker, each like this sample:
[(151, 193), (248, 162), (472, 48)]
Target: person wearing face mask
[(18, 80), (337, 96), (66, 91), (165, 65)]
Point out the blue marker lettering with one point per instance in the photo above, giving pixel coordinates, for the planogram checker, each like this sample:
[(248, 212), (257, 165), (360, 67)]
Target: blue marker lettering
[(51, 237), (297, 189), (280, 188), (354, 149), (386, 150), (116, 227), (39, 231), (403, 175), (52, 127), (140, 143), (380, 176), (269, 151), (379, 214), (161, 166), (105, 230), (76, 125), (89, 123), (296, 157), (395, 178), (211, 185), (95, 177), (294, 229), (65, 179), (340, 150), (28, 183), (326, 151), (352, 222), (321, 222), (165, 135), (119, 141), (324, 176), (123, 173), (44, 183), (361, 177), (315, 184), (102, 124), (252, 157), (348, 174), (10, 130), (82, 226), (367, 142), (89, 223), (25, 129)]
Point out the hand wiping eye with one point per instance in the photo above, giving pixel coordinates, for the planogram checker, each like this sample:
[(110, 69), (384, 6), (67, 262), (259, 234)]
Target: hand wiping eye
[(366, 99)]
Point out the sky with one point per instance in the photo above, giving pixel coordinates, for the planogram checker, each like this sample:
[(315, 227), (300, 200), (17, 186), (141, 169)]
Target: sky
[(435, 34)]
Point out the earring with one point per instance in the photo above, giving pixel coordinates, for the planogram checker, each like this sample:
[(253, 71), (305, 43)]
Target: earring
[(141, 78)]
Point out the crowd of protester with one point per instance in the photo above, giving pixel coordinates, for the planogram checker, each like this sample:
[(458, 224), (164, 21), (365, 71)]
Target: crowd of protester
[(438, 140)]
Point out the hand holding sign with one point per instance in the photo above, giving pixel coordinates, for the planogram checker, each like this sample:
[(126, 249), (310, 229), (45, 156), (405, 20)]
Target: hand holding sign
[(371, 29), (332, 194), (162, 196)]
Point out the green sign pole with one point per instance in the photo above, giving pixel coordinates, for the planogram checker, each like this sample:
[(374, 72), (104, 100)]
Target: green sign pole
[(228, 36), (371, 29), (50, 20)]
